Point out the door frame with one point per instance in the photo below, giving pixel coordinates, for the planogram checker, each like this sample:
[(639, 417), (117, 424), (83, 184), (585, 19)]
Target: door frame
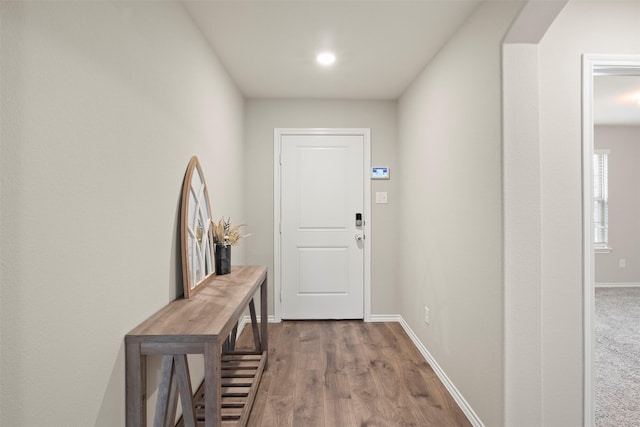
[(277, 182), (603, 65)]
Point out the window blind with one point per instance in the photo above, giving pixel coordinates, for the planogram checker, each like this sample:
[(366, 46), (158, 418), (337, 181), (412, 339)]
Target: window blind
[(601, 198)]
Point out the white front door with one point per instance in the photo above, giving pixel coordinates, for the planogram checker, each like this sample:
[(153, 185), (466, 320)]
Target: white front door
[(322, 244)]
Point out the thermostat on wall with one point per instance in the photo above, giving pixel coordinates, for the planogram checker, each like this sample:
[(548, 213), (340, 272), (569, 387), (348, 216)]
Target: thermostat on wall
[(381, 172)]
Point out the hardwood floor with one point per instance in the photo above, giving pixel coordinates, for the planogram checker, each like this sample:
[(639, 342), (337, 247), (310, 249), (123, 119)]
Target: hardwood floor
[(348, 374)]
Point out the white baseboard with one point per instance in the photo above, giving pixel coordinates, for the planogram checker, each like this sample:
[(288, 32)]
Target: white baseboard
[(245, 320), (386, 318), (618, 285), (451, 388)]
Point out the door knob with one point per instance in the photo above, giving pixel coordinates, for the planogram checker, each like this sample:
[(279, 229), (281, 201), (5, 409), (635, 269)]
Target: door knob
[(359, 237)]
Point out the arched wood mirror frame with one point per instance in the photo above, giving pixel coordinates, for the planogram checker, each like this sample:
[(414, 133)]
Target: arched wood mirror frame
[(196, 232)]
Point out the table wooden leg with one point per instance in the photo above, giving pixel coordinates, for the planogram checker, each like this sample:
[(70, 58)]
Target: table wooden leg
[(212, 385), (136, 386), (232, 337), (254, 326), (185, 390), (173, 404), (165, 404)]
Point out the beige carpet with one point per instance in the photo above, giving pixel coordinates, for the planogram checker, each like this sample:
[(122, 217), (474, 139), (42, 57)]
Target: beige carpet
[(617, 357)]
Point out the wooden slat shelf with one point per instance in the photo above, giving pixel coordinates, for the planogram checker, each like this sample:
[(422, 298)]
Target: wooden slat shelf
[(206, 323), (238, 392)]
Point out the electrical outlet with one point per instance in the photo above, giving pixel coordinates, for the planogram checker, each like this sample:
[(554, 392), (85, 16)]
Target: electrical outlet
[(623, 262), (426, 314)]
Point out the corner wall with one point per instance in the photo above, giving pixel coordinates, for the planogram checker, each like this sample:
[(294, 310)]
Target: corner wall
[(522, 210), (544, 307), (603, 27), (102, 105), (451, 208)]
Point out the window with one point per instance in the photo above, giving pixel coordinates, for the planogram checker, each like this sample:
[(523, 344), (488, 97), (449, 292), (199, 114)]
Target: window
[(601, 199)]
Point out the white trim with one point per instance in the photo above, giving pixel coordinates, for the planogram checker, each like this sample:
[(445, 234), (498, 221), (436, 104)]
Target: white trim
[(377, 318), (277, 272), (602, 65), (442, 376), (277, 296), (603, 250), (618, 285), (246, 320)]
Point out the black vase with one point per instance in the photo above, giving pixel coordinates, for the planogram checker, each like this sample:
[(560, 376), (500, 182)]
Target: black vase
[(223, 259)]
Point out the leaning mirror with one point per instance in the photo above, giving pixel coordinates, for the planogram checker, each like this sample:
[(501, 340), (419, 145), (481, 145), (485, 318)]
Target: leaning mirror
[(196, 232)]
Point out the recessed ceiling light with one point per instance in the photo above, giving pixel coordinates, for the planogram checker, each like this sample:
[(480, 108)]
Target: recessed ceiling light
[(326, 58)]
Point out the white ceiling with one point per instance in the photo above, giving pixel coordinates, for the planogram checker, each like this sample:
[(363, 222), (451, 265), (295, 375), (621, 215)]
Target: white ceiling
[(269, 46), (616, 100)]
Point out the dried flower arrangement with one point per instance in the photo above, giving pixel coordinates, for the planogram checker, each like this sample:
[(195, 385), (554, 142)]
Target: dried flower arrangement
[(225, 234)]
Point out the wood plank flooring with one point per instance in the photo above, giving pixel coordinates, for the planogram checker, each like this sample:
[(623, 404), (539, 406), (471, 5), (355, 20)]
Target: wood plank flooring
[(348, 374)]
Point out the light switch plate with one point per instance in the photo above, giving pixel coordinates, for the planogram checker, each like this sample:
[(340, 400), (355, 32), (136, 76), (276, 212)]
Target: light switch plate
[(381, 197)]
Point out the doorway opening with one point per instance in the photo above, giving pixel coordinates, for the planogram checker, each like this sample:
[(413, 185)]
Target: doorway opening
[(595, 225)]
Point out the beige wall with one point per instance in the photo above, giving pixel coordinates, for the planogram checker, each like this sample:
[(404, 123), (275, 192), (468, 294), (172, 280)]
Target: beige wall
[(451, 208), (103, 104), (262, 116), (624, 204), (522, 211), (582, 27)]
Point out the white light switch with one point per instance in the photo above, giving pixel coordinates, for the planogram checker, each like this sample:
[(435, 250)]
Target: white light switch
[(381, 197)]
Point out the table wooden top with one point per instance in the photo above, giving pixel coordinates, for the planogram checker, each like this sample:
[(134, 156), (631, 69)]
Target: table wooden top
[(207, 315)]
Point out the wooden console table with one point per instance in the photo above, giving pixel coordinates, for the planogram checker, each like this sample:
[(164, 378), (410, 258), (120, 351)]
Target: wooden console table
[(205, 324)]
